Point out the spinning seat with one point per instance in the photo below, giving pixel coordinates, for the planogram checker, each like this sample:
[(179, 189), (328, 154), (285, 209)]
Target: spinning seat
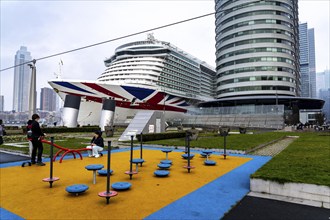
[(77, 188), (121, 185), (162, 173)]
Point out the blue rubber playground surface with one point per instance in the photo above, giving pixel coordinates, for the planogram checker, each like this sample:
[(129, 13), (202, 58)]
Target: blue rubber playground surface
[(216, 198), (210, 201)]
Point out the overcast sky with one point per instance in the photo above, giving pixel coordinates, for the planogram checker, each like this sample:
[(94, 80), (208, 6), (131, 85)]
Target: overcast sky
[(50, 27)]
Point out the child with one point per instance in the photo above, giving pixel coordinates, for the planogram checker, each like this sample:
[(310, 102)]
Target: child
[(2, 131), (97, 145), (29, 135)]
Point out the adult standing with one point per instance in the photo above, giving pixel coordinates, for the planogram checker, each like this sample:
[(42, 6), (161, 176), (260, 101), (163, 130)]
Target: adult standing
[(37, 136), (2, 131)]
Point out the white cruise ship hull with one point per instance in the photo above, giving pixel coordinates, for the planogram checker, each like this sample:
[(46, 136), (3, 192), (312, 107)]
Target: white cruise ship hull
[(129, 100)]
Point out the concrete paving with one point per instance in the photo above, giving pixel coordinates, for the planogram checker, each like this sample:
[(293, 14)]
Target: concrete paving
[(275, 148)]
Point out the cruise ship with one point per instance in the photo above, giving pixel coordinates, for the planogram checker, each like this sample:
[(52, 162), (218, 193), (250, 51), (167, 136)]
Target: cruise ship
[(143, 75)]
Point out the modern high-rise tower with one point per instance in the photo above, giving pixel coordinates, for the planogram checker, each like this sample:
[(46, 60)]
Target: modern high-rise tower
[(2, 102), (307, 61), (48, 99), (257, 48), (22, 78)]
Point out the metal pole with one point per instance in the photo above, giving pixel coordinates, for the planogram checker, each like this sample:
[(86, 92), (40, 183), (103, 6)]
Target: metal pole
[(164, 109), (224, 144), (188, 139), (130, 166), (186, 145), (141, 135), (51, 162), (276, 106), (108, 171)]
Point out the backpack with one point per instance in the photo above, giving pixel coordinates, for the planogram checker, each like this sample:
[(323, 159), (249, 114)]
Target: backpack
[(29, 129)]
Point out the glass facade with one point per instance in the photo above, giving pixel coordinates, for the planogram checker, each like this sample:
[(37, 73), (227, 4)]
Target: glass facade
[(47, 99), (307, 61), (22, 80), (257, 48)]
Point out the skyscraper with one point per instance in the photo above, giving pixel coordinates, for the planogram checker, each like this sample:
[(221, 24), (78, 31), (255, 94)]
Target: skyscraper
[(2, 102), (257, 48), (22, 78), (323, 91), (323, 80), (307, 61), (47, 99)]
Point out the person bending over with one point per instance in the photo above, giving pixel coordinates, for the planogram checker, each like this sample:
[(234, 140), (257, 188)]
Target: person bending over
[(97, 145), (36, 137)]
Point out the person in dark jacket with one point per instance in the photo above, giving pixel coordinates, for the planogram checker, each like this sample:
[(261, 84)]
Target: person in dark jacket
[(36, 137), (97, 145), (2, 131)]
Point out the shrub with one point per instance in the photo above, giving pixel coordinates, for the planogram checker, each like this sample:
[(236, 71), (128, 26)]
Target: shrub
[(242, 130), (49, 130)]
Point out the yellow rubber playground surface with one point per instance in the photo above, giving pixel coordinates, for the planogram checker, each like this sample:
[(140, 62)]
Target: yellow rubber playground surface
[(25, 196)]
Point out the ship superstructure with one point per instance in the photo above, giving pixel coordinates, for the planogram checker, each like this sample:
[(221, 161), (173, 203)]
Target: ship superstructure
[(146, 75)]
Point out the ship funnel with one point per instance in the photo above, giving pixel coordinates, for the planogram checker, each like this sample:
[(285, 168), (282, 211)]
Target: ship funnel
[(107, 115), (71, 110)]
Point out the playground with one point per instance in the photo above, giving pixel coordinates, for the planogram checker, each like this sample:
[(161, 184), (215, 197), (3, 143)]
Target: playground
[(206, 192)]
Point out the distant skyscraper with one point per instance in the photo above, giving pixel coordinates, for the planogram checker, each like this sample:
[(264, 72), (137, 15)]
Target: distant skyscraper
[(323, 80), (312, 63), (323, 91), (48, 99), (307, 61), (324, 94), (2, 103), (22, 78), (257, 48)]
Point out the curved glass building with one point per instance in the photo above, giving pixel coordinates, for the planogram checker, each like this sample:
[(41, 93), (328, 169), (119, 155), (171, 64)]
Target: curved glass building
[(257, 48)]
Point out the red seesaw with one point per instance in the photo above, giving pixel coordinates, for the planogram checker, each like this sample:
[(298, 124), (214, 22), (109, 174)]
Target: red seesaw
[(65, 151)]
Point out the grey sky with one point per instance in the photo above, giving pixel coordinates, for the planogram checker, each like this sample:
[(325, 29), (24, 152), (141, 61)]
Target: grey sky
[(49, 27)]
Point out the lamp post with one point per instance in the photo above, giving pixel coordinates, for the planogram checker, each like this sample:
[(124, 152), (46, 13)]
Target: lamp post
[(276, 106), (32, 94)]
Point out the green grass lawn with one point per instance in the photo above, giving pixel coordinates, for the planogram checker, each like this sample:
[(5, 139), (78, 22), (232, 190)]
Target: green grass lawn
[(306, 160), (234, 141), (60, 139)]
